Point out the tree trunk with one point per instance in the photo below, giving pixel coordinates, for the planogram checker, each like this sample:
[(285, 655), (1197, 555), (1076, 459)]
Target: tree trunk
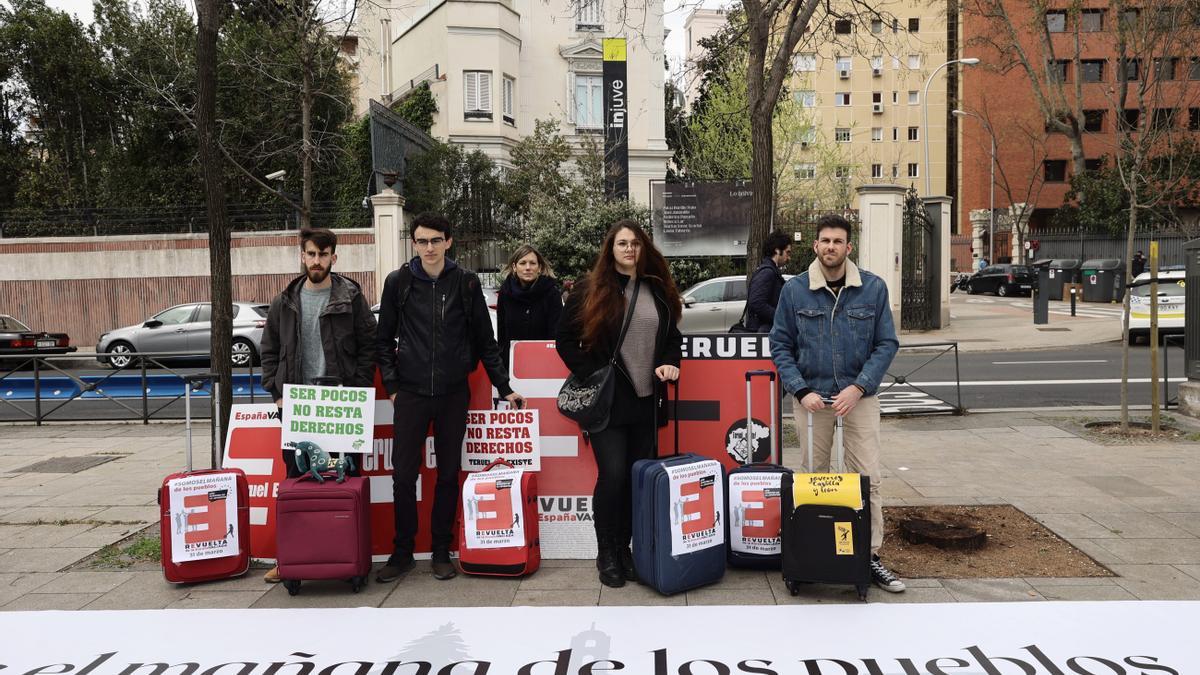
[(306, 160), (762, 178), (208, 19), (1132, 229)]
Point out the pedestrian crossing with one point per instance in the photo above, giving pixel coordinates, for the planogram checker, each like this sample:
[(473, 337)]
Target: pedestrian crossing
[(1090, 310)]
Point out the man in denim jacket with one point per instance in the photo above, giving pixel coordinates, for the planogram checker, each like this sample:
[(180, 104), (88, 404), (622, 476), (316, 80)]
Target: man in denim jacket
[(833, 339)]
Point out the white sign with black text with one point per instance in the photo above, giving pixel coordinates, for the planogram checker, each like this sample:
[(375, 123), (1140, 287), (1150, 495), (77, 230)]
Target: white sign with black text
[(203, 517), (697, 499), (491, 503), (511, 435)]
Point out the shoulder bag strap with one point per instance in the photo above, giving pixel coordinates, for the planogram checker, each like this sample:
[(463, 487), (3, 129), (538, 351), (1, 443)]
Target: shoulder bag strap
[(625, 326)]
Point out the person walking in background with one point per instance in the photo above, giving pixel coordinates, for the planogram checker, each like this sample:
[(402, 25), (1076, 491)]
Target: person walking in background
[(834, 338), (629, 272), (1138, 264), (767, 282), (529, 302)]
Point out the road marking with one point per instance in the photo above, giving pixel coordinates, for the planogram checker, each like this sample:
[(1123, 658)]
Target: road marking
[(1014, 363), (1009, 383)]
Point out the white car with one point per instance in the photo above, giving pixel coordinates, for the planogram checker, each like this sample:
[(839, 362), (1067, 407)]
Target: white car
[(1170, 305), (712, 306)]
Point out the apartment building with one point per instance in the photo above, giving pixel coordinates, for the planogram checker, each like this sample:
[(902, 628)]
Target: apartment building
[(497, 66), (1034, 162), (862, 83)]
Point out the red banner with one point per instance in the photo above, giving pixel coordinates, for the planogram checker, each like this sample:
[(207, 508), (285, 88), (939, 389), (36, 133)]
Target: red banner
[(712, 411)]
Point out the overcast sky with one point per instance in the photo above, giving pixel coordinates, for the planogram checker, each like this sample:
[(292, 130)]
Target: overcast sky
[(676, 12)]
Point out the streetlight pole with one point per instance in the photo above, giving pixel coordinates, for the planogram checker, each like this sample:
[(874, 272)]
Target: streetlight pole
[(969, 61), (991, 186)]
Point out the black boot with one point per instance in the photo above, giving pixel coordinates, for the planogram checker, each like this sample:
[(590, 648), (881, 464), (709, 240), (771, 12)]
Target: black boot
[(608, 562), (625, 558)]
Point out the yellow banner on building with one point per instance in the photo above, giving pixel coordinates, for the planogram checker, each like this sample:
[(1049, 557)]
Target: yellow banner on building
[(614, 49)]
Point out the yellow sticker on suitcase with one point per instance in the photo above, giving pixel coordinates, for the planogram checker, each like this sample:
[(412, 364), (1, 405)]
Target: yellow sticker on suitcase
[(827, 489), (843, 535)]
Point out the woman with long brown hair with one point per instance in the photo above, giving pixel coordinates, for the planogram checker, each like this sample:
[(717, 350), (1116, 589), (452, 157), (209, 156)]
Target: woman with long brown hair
[(628, 271)]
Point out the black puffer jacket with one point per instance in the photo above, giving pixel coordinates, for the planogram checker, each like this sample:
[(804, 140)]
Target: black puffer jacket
[(433, 332), (527, 313), (765, 286), (347, 336), (668, 346)]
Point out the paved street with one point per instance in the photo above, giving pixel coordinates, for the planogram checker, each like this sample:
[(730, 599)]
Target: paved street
[(1132, 508)]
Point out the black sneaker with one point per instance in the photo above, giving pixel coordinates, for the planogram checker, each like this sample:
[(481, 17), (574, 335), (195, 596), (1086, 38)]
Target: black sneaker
[(884, 578), (443, 567), (393, 570)]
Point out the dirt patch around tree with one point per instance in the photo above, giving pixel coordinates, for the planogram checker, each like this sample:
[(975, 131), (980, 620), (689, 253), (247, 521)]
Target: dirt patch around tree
[(1017, 546)]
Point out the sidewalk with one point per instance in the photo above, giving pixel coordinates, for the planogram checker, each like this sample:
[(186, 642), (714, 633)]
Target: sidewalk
[(991, 323), (1135, 509)]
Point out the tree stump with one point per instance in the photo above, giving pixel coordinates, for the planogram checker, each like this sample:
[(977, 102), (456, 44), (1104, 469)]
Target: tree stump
[(949, 536)]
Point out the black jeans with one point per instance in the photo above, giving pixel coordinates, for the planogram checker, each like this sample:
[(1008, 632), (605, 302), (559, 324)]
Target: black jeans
[(616, 449), (413, 414)]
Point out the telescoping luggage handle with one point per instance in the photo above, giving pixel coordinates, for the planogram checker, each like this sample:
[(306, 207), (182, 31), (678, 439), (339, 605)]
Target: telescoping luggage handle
[(674, 420), (772, 456), (838, 457), (192, 381)]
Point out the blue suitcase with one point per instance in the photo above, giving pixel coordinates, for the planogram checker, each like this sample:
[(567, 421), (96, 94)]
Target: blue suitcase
[(678, 533), (753, 494)]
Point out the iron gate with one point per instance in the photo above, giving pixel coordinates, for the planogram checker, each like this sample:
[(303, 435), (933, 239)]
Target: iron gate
[(918, 287)]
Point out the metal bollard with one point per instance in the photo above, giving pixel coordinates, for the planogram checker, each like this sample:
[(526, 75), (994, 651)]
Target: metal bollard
[(1072, 301)]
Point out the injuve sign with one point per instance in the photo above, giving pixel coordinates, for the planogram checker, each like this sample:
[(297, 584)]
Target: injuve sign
[(616, 117)]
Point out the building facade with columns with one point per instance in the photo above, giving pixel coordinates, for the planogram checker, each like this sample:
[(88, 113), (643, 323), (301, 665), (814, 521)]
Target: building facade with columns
[(495, 67)]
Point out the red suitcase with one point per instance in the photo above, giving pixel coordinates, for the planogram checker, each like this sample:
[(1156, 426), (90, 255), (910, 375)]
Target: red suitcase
[(204, 524), (498, 531), (323, 530)]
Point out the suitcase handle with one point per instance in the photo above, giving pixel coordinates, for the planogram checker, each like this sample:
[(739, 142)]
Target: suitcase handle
[(838, 441), (773, 439), (497, 462)]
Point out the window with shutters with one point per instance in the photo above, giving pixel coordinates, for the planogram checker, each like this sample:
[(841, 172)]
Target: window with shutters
[(589, 15), (806, 171), (841, 134), (509, 100), (477, 94), (589, 102)]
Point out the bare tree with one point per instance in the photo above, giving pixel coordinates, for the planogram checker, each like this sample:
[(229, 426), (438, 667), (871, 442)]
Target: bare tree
[(208, 20)]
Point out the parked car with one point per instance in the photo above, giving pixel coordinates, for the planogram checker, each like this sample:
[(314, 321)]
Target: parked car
[(1170, 305), (713, 305), (185, 328), (19, 340), (1003, 280)]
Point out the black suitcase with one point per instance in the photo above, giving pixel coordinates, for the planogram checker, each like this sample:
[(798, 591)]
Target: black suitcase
[(822, 542), (752, 495)]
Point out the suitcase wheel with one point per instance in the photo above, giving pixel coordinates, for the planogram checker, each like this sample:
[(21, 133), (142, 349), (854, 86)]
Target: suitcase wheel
[(292, 586), (862, 592), (357, 583), (793, 587)]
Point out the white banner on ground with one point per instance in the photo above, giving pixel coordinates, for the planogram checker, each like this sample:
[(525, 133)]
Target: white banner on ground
[(1026, 638), (336, 419), (491, 502), (754, 524), (203, 517), (697, 500), (511, 435)]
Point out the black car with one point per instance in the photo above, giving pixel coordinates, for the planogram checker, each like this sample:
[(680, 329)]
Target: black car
[(1003, 280), (17, 339)]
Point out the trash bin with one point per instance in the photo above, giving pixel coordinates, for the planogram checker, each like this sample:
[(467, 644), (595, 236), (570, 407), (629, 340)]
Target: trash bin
[(1103, 279), (1062, 271)]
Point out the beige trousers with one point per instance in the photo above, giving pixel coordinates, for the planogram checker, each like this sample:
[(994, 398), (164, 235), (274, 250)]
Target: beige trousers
[(860, 434)]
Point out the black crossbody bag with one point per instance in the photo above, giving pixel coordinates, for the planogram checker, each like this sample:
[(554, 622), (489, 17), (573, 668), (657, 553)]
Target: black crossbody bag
[(588, 400)]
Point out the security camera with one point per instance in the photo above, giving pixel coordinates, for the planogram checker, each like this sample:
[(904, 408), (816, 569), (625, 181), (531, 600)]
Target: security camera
[(277, 175)]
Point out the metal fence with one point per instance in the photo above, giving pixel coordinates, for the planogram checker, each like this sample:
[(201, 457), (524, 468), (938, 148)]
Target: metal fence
[(46, 389), (191, 219), (1088, 246)]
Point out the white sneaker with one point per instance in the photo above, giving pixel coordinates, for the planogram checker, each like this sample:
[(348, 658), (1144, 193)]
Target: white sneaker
[(884, 578)]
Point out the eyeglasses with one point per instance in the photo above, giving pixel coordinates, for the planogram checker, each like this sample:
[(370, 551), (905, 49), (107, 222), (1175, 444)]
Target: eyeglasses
[(426, 243), (626, 245)]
